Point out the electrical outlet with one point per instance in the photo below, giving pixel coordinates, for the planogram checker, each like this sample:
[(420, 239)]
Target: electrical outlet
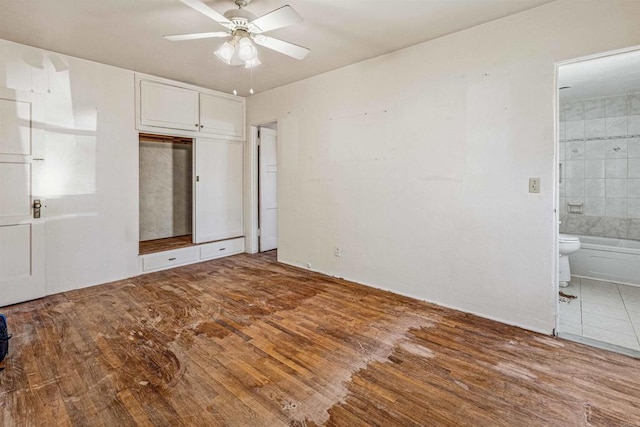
[(337, 251), (534, 185)]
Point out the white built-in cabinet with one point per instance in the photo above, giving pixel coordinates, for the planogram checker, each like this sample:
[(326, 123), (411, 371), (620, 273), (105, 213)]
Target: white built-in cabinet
[(216, 122), (170, 106)]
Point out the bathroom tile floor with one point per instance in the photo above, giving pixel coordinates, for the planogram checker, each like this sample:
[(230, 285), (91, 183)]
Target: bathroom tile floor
[(603, 311)]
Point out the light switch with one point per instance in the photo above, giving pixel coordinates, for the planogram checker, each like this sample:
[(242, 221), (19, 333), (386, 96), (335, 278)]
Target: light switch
[(534, 185)]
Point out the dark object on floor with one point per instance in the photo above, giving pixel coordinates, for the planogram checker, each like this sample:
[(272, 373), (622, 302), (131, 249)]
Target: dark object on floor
[(4, 337), (568, 296)]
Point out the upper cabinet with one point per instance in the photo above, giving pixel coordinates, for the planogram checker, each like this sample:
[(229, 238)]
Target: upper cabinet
[(168, 106), (222, 116), (171, 107)]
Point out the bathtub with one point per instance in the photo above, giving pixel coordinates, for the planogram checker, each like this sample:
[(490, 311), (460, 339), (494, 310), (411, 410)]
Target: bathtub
[(605, 258)]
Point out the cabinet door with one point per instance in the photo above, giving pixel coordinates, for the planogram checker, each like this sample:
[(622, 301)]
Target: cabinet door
[(222, 116), (168, 106), (218, 213)]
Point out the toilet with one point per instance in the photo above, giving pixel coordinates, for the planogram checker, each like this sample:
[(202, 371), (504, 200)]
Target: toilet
[(568, 244)]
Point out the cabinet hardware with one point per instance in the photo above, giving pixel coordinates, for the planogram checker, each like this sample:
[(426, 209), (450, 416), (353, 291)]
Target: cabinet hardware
[(172, 259), (196, 125), (201, 126), (222, 249)]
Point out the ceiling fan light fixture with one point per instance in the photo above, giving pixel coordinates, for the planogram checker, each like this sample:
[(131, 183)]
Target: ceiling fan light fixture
[(252, 63), (225, 53), (246, 50)]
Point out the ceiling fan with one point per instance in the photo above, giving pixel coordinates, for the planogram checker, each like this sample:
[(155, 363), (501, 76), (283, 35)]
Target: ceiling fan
[(244, 28)]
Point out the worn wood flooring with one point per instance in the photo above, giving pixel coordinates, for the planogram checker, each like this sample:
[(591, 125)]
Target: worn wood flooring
[(245, 341), (161, 245)]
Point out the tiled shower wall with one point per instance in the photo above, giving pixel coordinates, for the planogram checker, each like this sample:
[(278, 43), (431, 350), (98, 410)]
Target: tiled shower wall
[(600, 162)]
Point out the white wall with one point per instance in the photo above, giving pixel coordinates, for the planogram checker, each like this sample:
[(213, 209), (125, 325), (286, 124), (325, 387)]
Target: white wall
[(416, 163), (91, 163)]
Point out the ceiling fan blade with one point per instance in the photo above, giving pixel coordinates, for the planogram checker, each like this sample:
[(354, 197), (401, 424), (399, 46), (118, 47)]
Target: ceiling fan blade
[(196, 36), (207, 11), (278, 18), (289, 49)]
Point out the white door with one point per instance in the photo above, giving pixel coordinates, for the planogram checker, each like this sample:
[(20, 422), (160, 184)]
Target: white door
[(218, 194), (21, 164), (268, 165)]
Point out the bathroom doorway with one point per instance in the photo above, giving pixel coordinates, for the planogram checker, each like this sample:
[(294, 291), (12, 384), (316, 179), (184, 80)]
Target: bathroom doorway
[(599, 200)]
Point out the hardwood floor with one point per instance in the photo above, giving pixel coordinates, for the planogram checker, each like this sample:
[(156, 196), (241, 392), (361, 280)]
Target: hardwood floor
[(244, 341), (160, 245)]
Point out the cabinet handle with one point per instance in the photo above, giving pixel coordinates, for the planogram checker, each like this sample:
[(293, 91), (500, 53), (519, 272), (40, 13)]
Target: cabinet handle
[(222, 249), (172, 259), (201, 126), (196, 125)]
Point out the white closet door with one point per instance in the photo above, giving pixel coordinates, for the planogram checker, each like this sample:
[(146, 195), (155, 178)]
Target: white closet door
[(268, 190), (21, 235), (218, 213)]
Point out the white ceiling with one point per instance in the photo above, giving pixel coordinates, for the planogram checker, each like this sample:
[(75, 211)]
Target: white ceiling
[(595, 78), (128, 33)]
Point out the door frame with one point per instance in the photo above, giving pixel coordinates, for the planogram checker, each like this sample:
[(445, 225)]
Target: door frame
[(252, 243), (556, 172)]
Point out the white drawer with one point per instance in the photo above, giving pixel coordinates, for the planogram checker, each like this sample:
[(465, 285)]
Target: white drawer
[(222, 248), (169, 258)]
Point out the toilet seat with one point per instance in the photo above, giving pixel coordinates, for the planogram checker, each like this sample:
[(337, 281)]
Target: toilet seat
[(568, 238)]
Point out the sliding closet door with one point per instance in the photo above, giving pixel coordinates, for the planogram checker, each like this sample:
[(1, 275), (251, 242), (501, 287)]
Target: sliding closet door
[(218, 213)]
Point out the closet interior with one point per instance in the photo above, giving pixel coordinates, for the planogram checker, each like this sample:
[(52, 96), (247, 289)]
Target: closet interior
[(166, 193)]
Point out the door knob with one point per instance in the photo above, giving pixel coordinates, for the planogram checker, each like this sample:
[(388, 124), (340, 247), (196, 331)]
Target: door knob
[(37, 205)]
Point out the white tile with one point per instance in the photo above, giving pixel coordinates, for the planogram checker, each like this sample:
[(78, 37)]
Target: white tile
[(562, 207), (604, 310), (627, 289), (633, 103), (616, 106), (594, 128), (635, 319), (633, 298), (633, 125), (616, 188), (615, 208), (594, 149), (609, 300), (633, 147), (594, 108), (575, 150), (574, 187), (574, 169), (570, 312), (633, 188), (594, 168), (616, 168), (574, 129), (616, 149), (595, 187), (633, 208), (562, 151), (632, 306), (574, 110), (599, 284), (594, 206), (622, 340), (562, 131), (633, 168), (608, 323), (616, 126), (562, 186), (570, 327)]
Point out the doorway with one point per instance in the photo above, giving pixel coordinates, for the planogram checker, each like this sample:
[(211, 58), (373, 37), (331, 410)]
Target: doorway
[(599, 200), (267, 186)]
